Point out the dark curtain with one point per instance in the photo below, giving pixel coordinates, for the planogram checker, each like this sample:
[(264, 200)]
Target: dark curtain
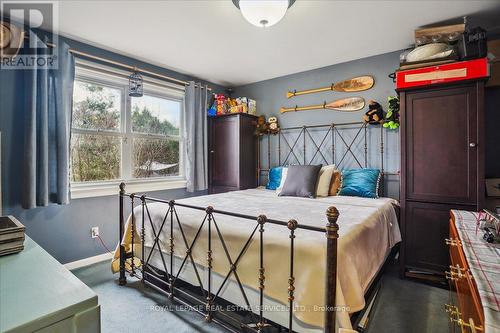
[(47, 131), (195, 136)]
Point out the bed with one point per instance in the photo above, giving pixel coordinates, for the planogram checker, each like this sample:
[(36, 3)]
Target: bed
[(301, 264), (368, 231)]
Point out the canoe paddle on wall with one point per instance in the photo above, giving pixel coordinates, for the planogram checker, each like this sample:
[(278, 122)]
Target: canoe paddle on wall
[(350, 104), (355, 84)]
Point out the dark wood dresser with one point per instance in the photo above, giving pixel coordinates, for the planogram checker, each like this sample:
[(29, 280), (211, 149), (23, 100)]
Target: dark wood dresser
[(232, 147), (442, 168)]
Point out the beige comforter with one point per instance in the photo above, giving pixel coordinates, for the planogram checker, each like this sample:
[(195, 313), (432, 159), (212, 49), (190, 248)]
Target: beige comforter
[(368, 229)]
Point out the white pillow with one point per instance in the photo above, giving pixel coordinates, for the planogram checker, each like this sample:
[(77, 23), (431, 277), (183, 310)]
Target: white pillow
[(324, 180), (284, 172)]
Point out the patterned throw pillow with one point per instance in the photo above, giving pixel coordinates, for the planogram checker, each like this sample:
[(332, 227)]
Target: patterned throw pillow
[(274, 178), (360, 183)]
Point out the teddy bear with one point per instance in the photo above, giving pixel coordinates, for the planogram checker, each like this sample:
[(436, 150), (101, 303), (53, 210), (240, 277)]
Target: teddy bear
[(375, 113), (261, 126)]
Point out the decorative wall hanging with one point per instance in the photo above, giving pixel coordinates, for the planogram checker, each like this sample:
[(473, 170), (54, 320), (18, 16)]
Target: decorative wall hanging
[(11, 39), (355, 84), (350, 104), (135, 86)]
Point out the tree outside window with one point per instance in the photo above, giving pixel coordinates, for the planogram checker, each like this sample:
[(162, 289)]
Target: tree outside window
[(117, 137)]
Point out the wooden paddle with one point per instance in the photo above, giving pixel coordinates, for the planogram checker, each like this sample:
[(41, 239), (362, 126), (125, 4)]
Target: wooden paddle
[(344, 105), (355, 84)]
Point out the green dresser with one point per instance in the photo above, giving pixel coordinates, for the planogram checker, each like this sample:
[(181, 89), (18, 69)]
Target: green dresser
[(38, 294)]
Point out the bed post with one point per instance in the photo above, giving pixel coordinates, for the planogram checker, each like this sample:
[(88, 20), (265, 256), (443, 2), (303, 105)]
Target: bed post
[(332, 236), (123, 279)]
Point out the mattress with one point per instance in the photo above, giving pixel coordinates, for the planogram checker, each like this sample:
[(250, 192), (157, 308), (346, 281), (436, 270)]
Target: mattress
[(368, 229)]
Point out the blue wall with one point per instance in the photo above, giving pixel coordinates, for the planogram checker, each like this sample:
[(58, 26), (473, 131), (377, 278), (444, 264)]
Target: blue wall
[(64, 231), (270, 97)]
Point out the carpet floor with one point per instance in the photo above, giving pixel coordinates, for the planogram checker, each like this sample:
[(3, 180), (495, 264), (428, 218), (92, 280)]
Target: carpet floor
[(402, 306)]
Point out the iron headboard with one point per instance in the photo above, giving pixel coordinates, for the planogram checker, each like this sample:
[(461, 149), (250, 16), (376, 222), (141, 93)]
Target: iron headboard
[(298, 145)]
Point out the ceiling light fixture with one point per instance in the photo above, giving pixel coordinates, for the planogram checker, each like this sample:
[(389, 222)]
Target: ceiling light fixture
[(263, 13)]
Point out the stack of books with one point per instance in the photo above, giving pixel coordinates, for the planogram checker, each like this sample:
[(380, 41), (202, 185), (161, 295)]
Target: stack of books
[(11, 235)]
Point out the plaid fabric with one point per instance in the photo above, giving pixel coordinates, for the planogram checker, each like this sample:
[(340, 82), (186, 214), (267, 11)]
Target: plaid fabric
[(484, 263)]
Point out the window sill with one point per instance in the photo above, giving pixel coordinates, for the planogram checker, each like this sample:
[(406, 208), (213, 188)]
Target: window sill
[(92, 190)]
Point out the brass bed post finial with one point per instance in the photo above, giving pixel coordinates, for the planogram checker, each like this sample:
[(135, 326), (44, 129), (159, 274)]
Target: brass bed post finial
[(122, 280), (332, 214), (332, 228)]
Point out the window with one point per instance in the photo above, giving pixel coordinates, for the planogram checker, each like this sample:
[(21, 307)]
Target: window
[(156, 130), (116, 137)]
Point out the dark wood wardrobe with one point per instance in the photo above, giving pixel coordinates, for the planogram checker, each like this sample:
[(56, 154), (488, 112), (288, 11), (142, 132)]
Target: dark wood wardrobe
[(442, 168), (232, 147)]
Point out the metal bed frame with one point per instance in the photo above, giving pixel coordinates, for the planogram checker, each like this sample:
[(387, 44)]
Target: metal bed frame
[(204, 298), (332, 141)]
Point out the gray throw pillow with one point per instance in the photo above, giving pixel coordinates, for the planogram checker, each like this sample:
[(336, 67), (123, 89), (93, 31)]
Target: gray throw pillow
[(301, 181)]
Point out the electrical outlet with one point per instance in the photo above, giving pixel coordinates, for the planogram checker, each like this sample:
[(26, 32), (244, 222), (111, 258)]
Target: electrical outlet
[(94, 232)]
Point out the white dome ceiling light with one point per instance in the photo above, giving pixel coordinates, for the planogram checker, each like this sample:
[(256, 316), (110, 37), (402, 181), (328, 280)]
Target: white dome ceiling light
[(263, 13)]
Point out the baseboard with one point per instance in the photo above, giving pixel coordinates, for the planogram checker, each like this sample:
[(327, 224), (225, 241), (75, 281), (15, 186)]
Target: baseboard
[(88, 261)]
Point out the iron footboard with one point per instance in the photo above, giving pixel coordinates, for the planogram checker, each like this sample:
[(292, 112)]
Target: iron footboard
[(173, 283)]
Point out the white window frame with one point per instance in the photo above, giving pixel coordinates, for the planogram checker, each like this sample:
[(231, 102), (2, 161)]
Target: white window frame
[(117, 79)]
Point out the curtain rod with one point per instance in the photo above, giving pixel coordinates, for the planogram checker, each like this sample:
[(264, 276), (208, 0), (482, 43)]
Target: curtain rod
[(123, 65)]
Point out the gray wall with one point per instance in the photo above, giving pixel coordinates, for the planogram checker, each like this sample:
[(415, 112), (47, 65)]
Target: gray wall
[(64, 231), (270, 97)]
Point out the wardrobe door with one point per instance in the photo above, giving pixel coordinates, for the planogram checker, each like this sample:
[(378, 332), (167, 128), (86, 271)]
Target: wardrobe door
[(224, 154), (427, 227), (441, 145), (248, 153)]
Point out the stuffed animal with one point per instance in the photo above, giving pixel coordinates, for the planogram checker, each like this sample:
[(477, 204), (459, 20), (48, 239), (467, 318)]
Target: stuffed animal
[(261, 127), (221, 103), (375, 113), (212, 112), (392, 115), (272, 124)]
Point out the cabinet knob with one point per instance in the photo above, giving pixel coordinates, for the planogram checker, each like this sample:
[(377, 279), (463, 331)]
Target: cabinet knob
[(472, 144), (212, 151)]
